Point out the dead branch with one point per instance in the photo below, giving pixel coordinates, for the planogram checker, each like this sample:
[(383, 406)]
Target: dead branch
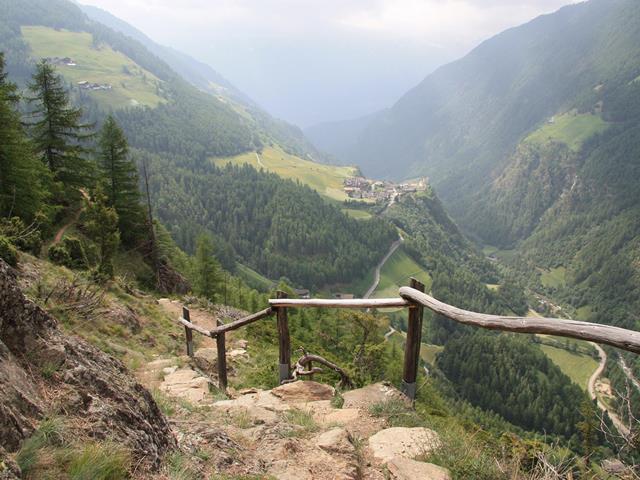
[(300, 368)]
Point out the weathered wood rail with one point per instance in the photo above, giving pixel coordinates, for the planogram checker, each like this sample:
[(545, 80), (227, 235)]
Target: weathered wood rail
[(415, 300)]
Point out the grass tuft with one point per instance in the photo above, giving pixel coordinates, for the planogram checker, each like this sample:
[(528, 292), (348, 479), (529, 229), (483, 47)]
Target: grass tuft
[(299, 423), (99, 461)]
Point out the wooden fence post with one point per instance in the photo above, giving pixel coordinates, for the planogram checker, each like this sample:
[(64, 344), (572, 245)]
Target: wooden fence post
[(222, 359), (188, 332), (284, 342), (412, 345)]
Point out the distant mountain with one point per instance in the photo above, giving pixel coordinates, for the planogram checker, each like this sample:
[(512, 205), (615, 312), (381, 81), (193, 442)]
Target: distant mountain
[(461, 123), (531, 140), (339, 138)]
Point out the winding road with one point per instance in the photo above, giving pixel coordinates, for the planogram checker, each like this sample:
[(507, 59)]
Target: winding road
[(376, 276)]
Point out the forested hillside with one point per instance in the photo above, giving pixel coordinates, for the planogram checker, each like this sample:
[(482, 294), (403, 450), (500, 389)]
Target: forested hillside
[(275, 226), (531, 142)]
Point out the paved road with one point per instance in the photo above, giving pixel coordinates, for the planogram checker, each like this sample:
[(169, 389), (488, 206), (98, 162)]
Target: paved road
[(376, 277)]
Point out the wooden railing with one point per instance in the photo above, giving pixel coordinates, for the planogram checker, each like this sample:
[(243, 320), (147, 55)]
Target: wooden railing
[(413, 298)]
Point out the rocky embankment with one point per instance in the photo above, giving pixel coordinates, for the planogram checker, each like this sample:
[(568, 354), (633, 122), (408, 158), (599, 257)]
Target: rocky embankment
[(45, 373)]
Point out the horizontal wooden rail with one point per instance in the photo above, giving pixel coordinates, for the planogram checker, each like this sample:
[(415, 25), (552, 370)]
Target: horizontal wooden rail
[(616, 337), (195, 327), (336, 303), (242, 322)]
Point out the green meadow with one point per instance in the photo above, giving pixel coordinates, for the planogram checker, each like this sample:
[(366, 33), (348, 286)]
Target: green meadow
[(570, 129), (131, 84), (327, 180)]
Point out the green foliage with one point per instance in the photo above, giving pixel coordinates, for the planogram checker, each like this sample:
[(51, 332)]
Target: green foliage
[(22, 177), (102, 227), (207, 269), (8, 252), (515, 379), (57, 129), (69, 252), (26, 238), (274, 226), (59, 255), (120, 177)]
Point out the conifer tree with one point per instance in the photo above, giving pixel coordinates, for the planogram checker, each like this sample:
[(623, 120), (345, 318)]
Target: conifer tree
[(207, 269), (102, 227), (22, 176), (121, 180), (57, 130)]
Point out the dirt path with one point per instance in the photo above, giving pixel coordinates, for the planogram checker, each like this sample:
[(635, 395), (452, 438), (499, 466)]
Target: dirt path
[(76, 216), (260, 161), (60, 233), (376, 277)]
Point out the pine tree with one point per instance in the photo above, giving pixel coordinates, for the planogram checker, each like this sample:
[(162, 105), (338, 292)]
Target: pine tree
[(121, 181), (102, 227), (207, 269), (57, 130), (23, 179)]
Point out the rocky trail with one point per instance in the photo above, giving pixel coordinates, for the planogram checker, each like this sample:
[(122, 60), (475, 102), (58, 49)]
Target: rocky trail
[(298, 431)]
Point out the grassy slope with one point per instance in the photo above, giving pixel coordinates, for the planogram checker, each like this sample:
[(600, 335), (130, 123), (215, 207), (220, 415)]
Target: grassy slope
[(327, 180), (576, 366), (253, 278), (96, 65), (357, 214), (554, 278), (570, 129), (396, 273)]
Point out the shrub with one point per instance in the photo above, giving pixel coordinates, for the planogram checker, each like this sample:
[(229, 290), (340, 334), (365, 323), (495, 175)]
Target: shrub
[(76, 252), (8, 252), (27, 239), (59, 255), (69, 253)]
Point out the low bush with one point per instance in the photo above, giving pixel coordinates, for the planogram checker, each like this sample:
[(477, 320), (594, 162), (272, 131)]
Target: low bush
[(8, 252)]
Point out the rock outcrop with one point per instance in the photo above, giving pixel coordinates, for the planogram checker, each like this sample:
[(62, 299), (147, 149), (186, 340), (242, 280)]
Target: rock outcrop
[(44, 372)]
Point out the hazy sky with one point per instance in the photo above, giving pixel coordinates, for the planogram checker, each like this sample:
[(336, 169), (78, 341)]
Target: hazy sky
[(315, 60)]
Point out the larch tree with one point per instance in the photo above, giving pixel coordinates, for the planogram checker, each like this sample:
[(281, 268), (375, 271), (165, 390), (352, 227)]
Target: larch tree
[(23, 179), (120, 177), (207, 269), (57, 129)]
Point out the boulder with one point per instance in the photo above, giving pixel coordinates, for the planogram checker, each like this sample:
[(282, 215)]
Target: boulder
[(186, 383), (335, 440), (302, 392), (110, 403), (206, 359), (372, 394), (402, 442), (406, 469)]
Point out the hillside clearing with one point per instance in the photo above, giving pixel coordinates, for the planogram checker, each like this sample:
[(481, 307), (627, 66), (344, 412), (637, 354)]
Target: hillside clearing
[(327, 180), (577, 367), (396, 273), (131, 84), (554, 278), (570, 129)]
